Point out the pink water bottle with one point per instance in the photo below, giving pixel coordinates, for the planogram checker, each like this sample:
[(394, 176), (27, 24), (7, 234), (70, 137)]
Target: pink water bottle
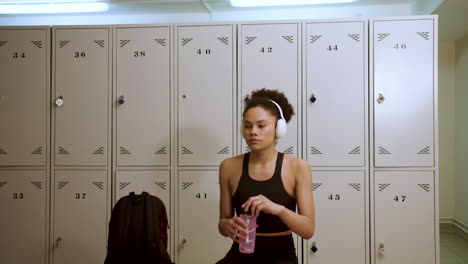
[(247, 245)]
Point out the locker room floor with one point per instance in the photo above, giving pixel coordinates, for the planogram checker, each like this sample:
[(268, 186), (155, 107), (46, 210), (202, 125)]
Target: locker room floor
[(453, 246)]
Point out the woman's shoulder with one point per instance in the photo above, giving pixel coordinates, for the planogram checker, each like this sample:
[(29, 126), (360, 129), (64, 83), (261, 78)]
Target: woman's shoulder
[(232, 163), (295, 163)]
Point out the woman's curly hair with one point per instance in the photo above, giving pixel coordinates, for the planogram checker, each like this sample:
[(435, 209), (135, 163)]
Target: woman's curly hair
[(261, 98)]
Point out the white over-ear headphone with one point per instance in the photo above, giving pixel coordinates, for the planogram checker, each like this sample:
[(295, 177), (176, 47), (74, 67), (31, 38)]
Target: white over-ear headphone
[(281, 127)]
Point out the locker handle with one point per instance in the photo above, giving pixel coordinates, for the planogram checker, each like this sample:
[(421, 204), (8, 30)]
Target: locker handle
[(121, 100), (313, 98), (58, 241), (314, 247), (59, 101), (380, 99), (381, 249), (182, 244)]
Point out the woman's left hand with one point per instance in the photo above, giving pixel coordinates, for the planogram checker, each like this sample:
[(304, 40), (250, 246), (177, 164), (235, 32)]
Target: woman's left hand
[(261, 203)]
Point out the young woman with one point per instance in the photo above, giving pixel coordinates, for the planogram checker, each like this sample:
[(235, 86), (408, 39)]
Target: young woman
[(268, 184)]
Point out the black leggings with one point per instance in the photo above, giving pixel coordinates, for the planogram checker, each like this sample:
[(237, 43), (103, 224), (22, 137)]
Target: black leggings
[(268, 250)]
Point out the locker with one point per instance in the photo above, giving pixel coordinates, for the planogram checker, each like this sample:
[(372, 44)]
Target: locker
[(142, 74), (340, 206), (336, 92), (205, 94), (404, 228), (24, 96), (23, 224), (80, 217), (403, 72), (81, 96), (269, 58), (156, 183), (198, 217)]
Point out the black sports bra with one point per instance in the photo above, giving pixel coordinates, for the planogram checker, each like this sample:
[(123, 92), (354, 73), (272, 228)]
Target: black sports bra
[(272, 188)]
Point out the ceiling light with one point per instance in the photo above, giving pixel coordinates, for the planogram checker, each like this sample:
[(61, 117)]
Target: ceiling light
[(251, 3), (53, 8)]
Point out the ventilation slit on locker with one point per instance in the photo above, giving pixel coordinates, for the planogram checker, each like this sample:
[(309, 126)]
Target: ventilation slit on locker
[(123, 151), (38, 43), (124, 42), (186, 151), (37, 151), (289, 151), (185, 185), (224, 150), (3, 152), (162, 185), (62, 151), (37, 184), (161, 41), (2, 42), (124, 184), (161, 151)]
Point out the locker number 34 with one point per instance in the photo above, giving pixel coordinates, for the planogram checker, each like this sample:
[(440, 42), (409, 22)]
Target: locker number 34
[(17, 55)]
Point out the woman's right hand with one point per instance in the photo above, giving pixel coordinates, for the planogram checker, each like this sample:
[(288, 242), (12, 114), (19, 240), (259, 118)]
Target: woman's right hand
[(234, 227)]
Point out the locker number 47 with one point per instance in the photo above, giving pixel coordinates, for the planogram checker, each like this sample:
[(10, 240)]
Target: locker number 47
[(400, 198)]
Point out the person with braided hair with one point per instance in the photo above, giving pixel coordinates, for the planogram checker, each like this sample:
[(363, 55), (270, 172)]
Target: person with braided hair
[(266, 183)]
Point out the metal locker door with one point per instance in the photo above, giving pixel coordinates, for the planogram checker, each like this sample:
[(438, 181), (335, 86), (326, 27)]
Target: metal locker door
[(23, 203), (24, 96), (80, 217), (143, 96), (340, 199), (269, 58), (403, 61), (155, 183), (205, 94), (81, 108), (198, 217), (336, 93), (404, 217)]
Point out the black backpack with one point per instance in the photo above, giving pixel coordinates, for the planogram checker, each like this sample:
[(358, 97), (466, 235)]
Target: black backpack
[(138, 231)]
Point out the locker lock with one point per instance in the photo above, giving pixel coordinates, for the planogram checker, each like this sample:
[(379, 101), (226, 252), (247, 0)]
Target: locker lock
[(246, 99), (59, 101), (58, 241), (380, 99), (314, 247), (182, 243), (121, 100), (381, 249), (312, 98)]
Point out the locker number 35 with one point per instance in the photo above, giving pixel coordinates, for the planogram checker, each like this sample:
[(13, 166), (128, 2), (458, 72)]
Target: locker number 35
[(17, 196)]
